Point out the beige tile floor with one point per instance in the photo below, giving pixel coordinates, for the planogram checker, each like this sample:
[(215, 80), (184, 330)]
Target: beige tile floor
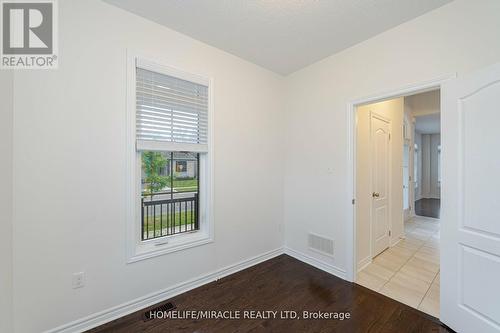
[(409, 271)]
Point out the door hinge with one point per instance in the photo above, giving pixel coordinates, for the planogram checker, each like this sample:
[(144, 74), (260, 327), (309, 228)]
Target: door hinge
[(353, 201)]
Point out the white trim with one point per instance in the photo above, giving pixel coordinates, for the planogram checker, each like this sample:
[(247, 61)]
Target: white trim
[(124, 309), (329, 268), (160, 246), (427, 217), (408, 90), (351, 156), (430, 197), (136, 249), (156, 65), (363, 263), (399, 239), (130, 180), (170, 146)]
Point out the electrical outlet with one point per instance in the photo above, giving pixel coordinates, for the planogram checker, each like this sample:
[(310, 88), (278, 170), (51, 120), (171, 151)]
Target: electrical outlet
[(78, 280)]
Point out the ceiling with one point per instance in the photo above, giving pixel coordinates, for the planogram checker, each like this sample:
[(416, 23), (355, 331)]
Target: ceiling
[(280, 35), (428, 124)]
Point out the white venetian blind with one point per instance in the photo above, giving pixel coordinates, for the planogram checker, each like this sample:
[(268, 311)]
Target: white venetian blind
[(172, 113)]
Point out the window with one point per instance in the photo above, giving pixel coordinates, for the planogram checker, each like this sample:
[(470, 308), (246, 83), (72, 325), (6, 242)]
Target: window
[(169, 116)]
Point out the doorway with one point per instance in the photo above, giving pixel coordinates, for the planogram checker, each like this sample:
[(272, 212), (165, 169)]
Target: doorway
[(469, 241), (397, 251)]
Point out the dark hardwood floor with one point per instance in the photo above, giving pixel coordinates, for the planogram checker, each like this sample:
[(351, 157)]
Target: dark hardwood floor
[(428, 207), (282, 284)]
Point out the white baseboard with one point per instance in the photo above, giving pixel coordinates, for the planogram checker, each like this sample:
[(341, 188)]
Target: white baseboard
[(410, 216), (399, 239), (363, 263), (124, 309), (316, 263), (427, 218), (430, 196)]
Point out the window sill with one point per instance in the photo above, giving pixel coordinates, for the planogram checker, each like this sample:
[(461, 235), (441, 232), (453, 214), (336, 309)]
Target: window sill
[(157, 247)]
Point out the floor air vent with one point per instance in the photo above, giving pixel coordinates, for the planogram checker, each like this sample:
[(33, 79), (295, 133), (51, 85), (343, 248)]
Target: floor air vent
[(321, 244), (165, 307)]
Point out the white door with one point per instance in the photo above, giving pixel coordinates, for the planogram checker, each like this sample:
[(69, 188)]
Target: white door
[(470, 232), (380, 183)]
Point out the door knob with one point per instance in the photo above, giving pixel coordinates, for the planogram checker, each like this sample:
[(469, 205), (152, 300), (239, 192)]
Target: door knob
[(375, 194)]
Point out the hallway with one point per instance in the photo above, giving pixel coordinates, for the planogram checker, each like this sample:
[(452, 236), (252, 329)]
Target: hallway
[(409, 271), (428, 207)]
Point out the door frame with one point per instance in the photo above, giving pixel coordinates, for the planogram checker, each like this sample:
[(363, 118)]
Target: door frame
[(411, 166), (436, 83)]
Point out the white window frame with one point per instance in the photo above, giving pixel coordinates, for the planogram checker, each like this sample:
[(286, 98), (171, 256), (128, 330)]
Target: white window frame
[(137, 249)]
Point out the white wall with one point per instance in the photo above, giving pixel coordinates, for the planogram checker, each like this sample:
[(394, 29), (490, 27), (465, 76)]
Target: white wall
[(410, 140), (69, 153), (426, 166), (418, 190), (69, 157), (6, 108), (430, 185), (421, 105), (435, 183), (459, 37), (394, 111), (424, 103)]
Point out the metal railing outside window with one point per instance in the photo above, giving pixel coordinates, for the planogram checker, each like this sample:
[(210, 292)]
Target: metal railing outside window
[(173, 208)]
